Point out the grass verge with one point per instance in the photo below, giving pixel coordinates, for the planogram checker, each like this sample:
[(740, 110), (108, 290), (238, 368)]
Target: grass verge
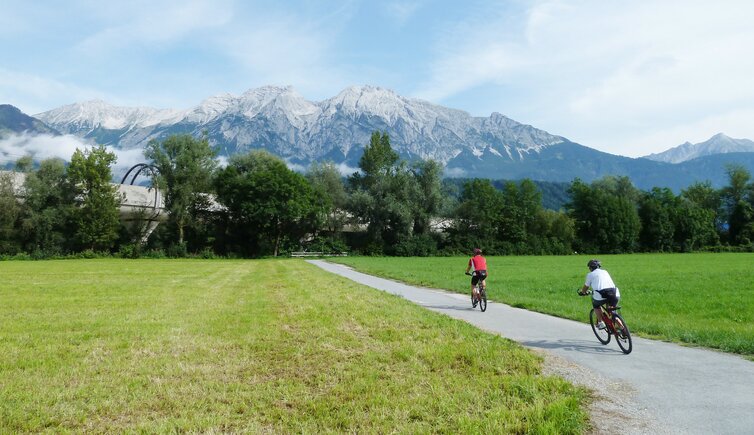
[(253, 346), (702, 299)]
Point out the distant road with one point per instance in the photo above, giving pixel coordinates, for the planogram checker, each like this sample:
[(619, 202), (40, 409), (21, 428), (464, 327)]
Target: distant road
[(686, 390)]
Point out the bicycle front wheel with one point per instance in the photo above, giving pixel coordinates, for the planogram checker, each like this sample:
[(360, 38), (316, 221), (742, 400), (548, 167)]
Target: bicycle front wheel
[(482, 300), (603, 335), (622, 334)]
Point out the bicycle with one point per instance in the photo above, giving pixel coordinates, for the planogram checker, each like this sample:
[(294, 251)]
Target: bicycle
[(482, 299), (614, 326)]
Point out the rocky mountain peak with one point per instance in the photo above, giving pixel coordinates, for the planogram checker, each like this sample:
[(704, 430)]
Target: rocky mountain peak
[(275, 98), (369, 100), (281, 120), (13, 120), (717, 144), (100, 114)]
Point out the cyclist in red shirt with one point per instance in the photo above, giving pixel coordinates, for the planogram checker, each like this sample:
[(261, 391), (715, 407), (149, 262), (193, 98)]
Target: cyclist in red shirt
[(478, 267)]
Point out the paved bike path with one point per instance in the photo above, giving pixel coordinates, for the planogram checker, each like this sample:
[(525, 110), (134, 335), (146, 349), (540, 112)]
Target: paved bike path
[(689, 390)]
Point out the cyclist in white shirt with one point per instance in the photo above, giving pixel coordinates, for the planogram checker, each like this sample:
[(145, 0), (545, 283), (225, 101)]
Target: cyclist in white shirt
[(604, 290)]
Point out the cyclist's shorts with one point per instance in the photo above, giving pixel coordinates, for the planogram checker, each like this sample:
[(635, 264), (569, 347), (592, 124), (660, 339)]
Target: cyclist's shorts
[(478, 274), (609, 297)]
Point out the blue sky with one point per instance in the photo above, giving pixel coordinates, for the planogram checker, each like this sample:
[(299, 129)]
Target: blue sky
[(628, 78)]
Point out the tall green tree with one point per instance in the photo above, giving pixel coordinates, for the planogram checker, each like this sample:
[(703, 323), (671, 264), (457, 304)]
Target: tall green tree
[(379, 160), (385, 207), (97, 216), (523, 201), (381, 196), (741, 223), (738, 187), (478, 217), (550, 232), (330, 195), (703, 195), (619, 186), (48, 220), (738, 199), (656, 215), (185, 169), (268, 205), (10, 215), (24, 164), (428, 199), (513, 220), (605, 217), (694, 226)]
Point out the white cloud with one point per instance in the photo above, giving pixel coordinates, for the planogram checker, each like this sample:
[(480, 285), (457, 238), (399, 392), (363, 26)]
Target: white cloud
[(455, 172), (32, 93), (617, 76), (296, 167), (470, 66), (42, 147), (281, 48), (287, 48), (222, 161), (346, 170), (608, 74), (127, 158), (146, 52), (735, 123), (39, 147), (149, 23), (342, 168)]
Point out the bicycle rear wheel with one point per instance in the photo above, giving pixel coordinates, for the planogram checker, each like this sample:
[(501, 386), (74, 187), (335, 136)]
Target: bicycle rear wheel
[(622, 334), (603, 335), (482, 299)]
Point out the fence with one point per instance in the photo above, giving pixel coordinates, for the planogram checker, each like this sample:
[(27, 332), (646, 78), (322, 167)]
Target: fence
[(318, 254)]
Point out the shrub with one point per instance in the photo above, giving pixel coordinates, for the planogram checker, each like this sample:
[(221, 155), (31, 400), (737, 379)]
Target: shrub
[(207, 254), (327, 245), (417, 246), (131, 250), (178, 250), (154, 254)]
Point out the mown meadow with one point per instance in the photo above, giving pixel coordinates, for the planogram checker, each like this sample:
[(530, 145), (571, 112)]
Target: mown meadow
[(704, 299), (279, 346)]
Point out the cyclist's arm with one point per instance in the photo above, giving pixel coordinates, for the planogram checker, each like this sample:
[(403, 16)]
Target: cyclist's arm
[(587, 284)]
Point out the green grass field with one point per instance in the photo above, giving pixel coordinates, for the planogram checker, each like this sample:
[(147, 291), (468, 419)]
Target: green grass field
[(701, 299), (264, 346)]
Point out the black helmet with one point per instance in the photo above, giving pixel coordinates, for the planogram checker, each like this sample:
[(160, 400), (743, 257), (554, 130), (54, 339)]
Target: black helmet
[(477, 251), (594, 264)]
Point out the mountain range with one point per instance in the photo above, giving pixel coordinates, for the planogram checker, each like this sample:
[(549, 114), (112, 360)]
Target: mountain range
[(717, 144), (12, 120), (281, 121)]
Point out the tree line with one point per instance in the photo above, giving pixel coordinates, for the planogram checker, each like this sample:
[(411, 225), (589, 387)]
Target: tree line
[(256, 206)]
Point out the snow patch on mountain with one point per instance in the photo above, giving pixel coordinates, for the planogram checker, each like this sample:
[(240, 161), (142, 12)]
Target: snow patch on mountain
[(282, 121), (97, 113), (717, 144)]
